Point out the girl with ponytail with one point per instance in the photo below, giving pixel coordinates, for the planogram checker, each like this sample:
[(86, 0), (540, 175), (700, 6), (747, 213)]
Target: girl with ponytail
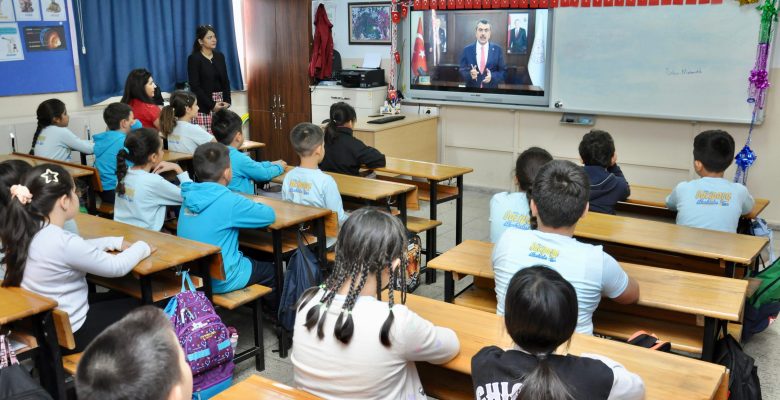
[(52, 138), (183, 136), (348, 342), (345, 153), (541, 315), (44, 258)]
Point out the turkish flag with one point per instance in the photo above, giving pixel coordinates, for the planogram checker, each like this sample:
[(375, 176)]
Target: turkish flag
[(419, 64)]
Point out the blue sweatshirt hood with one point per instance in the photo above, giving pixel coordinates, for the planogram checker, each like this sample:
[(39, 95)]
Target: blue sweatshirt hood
[(200, 196)]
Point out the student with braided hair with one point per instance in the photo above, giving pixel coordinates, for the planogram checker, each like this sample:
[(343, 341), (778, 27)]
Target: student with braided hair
[(348, 342)]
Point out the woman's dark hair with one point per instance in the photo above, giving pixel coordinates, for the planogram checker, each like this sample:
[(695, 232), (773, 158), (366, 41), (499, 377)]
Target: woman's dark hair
[(139, 145), (540, 315), (11, 173), (46, 113), (340, 114), (137, 356), (201, 33), (179, 102), (47, 183), (134, 86), (368, 243)]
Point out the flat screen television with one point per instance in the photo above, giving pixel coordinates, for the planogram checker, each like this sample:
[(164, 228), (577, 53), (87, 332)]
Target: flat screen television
[(493, 56)]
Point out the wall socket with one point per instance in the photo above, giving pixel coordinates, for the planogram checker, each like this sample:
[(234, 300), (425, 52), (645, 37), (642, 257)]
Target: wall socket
[(429, 110)]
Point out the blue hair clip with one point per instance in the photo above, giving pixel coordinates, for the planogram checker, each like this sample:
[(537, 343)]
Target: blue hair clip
[(126, 150)]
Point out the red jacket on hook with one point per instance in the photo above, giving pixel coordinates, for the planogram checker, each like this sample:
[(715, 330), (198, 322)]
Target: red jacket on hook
[(321, 64)]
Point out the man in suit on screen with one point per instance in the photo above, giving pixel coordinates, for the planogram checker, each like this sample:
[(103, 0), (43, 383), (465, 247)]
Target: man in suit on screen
[(482, 63)]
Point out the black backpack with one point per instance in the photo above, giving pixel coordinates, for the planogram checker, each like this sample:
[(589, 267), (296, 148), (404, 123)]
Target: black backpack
[(15, 382), (303, 272), (743, 373)]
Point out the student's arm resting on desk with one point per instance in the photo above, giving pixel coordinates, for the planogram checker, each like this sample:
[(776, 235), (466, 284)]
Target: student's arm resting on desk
[(622, 181), (85, 256), (245, 213), (421, 340), (616, 284), (72, 141), (626, 385), (370, 157), (671, 199), (749, 203), (333, 199), (169, 194), (258, 171)]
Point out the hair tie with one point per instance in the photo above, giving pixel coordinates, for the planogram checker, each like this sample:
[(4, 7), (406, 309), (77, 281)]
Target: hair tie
[(126, 150), (21, 193), (541, 356)]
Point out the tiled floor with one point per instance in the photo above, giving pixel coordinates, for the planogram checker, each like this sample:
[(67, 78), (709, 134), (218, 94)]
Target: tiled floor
[(475, 226)]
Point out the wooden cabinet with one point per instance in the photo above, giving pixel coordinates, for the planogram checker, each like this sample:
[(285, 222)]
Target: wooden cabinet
[(278, 42)]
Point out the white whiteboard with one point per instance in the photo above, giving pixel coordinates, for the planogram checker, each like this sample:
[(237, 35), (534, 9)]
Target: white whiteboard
[(679, 62)]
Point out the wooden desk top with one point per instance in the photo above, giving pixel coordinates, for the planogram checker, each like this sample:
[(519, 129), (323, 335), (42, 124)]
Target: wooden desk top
[(666, 375), (662, 236), (171, 250), (251, 145), (257, 387), (290, 214), (365, 188), (421, 169), (17, 303), (363, 125), (690, 293), (73, 169), (172, 156), (656, 197)]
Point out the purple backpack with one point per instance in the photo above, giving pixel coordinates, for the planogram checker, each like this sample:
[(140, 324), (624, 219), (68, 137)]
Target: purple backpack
[(204, 339)]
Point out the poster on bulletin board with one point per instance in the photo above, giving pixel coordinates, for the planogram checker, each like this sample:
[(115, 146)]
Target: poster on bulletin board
[(35, 48)]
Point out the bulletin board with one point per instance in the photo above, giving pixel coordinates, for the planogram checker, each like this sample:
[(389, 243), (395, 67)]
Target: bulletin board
[(35, 48)]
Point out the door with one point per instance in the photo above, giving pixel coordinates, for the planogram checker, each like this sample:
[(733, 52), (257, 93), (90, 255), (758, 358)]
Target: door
[(260, 38)]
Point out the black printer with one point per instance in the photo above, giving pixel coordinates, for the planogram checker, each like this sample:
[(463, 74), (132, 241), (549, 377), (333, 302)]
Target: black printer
[(362, 77)]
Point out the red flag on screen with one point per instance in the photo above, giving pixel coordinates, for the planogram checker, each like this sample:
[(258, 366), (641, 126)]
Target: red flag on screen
[(419, 64)]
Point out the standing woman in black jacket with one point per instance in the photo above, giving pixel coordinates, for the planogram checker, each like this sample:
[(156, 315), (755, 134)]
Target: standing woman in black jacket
[(344, 153), (208, 76)]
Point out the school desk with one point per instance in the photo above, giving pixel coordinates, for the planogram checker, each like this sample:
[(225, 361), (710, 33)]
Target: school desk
[(437, 194), (373, 191), (660, 243), (291, 215), (666, 375), (257, 388), (89, 175), (18, 304), (716, 299), (255, 147), (172, 251)]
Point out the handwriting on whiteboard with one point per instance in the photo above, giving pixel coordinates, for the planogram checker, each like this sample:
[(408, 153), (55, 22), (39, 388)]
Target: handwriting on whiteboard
[(683, 71)]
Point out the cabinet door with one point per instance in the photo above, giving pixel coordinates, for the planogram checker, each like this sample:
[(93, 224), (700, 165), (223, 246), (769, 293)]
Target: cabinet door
[(261, 129), (261, 54), (289, 120), (293, 33)]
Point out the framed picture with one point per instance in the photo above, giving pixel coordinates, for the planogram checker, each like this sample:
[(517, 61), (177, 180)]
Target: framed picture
[(517, 33), (369, 23)]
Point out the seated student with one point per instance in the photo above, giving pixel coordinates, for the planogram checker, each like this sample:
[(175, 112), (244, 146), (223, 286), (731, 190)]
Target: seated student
[(43, 258), (142, 194), (52, 138), (350, 344), (139, 95), (183, 136), (138, 357), (346, 154), (119, 121), (560, 199), (226, 126), (306, 184), (607, 183), (212, 214), (541, 314), (711, 202), (511, 210)]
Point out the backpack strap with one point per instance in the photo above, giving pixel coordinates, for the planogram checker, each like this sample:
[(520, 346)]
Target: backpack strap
[(302, 248), (186, 282), (3, 354)]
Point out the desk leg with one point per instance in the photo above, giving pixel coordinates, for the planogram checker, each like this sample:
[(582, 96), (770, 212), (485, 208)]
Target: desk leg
[(710, 336), (449, 287), (402, 207), (278, 261), (146, 289), (204, 269), (91, 201), (322, 242), (430, 236), (49, 358), (459, 213)]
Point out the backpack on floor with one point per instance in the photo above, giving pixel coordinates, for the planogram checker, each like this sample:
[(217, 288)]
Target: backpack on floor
[(769, 290), (15, 382), (204, 339), (413, 262), (303, 272), (743, 373)]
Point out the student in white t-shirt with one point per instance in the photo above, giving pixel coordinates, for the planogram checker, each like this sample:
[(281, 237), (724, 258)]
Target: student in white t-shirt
[(350, 344), (307, 184), (511, 210), (183, 136), (52, 138), (560, 199), (142, 195)]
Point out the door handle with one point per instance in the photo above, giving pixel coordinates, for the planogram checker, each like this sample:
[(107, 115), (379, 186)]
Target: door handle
[(273, 119)]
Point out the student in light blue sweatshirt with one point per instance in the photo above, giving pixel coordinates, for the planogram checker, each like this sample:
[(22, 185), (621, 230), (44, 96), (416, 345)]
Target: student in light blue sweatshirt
[(212, 214), (711, 202), (226, 126), (142, 195), (183, 136), (52, 138), (119, 121)]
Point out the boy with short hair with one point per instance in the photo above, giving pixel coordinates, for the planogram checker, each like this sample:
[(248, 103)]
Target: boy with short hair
[(226, 126), (307, 184), (711, 202), (607, 183), (120, 121), (212, 214), (560, 199), (138, 357)]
